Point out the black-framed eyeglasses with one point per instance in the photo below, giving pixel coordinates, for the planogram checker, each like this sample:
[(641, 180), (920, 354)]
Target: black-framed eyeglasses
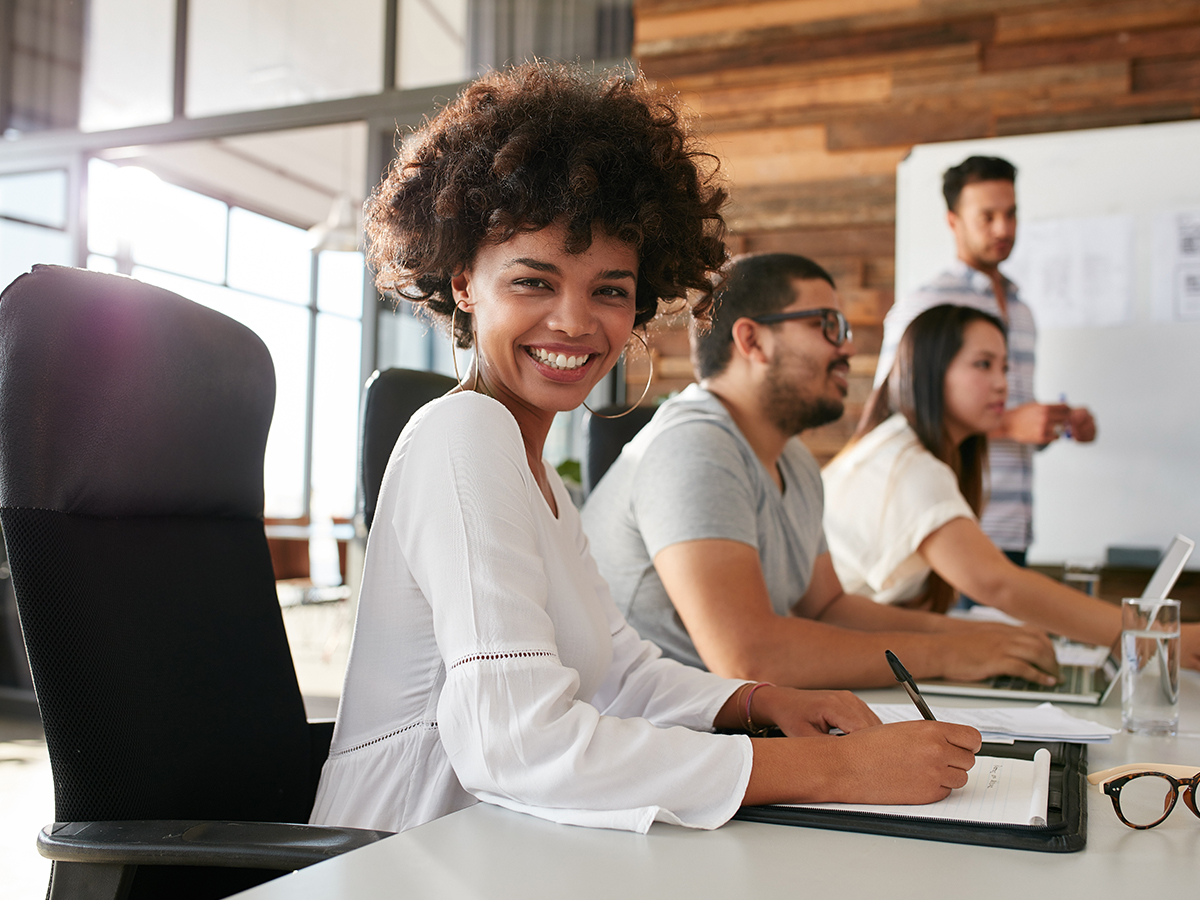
[(1143, 795), (833, 324)]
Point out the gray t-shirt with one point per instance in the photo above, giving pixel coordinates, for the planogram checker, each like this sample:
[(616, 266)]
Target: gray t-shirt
[(690, 475)]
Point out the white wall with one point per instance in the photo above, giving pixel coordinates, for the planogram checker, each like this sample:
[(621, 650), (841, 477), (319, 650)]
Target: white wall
[(1140, 482)]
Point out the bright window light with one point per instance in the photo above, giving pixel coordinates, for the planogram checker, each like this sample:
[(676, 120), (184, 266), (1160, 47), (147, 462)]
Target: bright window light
[(340, 283), (131, 211), (38, 197), (22, 246), (269, 257), (335, 416)]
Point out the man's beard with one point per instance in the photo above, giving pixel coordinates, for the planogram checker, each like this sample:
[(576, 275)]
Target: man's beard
[(788, 409)]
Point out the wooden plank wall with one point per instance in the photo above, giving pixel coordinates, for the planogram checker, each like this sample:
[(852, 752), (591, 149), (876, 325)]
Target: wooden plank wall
[(812, 103)]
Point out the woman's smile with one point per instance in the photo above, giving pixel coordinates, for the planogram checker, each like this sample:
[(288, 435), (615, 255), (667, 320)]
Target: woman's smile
[(548, 324), (562, 363)]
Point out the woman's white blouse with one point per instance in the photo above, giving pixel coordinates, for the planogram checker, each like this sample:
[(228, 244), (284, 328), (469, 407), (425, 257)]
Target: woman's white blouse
[(883, 497), (490, 663)]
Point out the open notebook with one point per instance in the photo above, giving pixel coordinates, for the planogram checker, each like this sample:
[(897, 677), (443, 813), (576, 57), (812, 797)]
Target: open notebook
[(994, 809), (998, 791)]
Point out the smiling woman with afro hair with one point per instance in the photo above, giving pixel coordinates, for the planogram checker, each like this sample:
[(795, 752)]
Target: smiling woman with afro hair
[(546, 213)]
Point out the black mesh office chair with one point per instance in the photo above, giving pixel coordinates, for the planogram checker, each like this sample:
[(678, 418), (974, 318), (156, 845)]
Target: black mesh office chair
[(131, 497), (16, 682), (604, 438), (389, 400)]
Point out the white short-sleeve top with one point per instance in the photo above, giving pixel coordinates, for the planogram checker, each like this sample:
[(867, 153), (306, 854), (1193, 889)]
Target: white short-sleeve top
[(490, 663), (883, 497)]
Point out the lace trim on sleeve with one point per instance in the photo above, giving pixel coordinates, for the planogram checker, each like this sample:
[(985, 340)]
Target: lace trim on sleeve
[(512, 654), (431, 726)]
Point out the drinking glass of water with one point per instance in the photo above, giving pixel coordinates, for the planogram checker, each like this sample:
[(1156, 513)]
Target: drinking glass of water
[(1150, 665)]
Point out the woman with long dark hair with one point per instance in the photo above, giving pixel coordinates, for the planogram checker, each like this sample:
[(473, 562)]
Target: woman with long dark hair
[(902, 501), (540, 218)]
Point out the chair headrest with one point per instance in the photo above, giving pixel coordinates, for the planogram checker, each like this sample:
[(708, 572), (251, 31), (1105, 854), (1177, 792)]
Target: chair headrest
[(120, 398), (391, 398)]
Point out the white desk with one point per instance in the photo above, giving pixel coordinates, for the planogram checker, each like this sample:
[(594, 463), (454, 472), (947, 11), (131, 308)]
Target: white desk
[(487, 852)]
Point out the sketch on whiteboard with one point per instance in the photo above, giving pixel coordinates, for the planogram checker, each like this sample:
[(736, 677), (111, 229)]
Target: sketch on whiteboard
[(1187, 292), (1189, 235), (1176, 266), (1075, 273)]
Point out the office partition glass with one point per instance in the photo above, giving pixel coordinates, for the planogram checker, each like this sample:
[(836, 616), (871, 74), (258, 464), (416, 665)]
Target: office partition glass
[(128, 64), (259, 54)]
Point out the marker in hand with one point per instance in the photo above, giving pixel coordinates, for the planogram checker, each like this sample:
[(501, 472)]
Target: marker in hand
[(1066, 429), (905, 679)]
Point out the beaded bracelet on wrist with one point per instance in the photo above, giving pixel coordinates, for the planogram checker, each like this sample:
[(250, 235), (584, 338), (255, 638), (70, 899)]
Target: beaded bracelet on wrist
[(748, 722)]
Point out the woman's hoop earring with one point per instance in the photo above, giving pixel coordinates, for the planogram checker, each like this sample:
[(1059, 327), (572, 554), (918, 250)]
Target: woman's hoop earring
[(454, 354), (454, 342), (645, 390)]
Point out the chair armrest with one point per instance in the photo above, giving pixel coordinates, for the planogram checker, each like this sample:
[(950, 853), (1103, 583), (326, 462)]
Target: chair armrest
[(246, 845)]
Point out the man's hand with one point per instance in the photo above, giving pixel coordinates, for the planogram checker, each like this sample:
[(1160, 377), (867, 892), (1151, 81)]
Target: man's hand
[(1190, 646), (1035, 423), (1041, 423), (1004, 650), (1082, 425)]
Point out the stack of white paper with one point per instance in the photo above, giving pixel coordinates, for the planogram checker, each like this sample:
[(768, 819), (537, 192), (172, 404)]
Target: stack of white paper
[(1042, 723)]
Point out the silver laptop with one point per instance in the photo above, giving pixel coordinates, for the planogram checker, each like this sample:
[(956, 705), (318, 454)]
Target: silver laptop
[(1077, 684)]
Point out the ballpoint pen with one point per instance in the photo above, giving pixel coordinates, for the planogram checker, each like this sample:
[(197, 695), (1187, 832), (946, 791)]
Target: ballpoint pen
[(905, 679)]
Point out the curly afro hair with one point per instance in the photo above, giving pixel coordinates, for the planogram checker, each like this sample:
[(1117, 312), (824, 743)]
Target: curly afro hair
[(543, 142)]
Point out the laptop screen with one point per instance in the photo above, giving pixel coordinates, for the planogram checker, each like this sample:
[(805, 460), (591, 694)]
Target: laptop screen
[(1168, 570)]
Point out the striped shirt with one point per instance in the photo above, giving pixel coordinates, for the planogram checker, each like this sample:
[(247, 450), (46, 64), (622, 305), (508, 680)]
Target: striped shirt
[(1008, 518)]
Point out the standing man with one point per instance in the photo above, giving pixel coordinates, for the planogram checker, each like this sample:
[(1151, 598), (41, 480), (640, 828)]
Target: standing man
[(708, 526), (981, 204)]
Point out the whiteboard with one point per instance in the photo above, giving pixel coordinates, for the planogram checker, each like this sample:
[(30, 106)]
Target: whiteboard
[(1139, 483)]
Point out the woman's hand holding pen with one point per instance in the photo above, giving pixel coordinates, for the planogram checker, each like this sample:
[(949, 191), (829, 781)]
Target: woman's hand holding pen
[(907, 762)]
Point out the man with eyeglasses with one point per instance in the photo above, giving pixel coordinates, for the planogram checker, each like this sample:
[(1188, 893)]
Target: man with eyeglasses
[(708, 526)]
